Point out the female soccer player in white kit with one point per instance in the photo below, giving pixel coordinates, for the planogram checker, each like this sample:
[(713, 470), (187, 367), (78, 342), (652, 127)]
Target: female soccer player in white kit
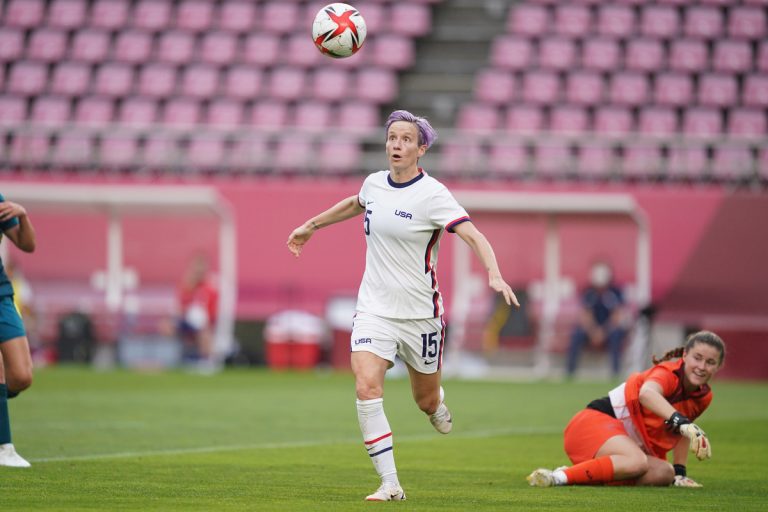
[(399, 305)]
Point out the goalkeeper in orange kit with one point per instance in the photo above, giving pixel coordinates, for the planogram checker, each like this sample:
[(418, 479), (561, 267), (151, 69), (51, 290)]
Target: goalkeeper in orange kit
[(624, 438)]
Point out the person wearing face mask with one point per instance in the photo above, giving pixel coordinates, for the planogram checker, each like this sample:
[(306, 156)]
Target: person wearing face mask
[(624, 438), (601, 320)]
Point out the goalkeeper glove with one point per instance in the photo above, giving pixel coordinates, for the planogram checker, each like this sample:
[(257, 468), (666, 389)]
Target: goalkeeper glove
[(699, 443), (684, 481)]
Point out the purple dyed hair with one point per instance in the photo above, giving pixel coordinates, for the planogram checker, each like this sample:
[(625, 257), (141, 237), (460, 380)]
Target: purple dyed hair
[(427, 134)]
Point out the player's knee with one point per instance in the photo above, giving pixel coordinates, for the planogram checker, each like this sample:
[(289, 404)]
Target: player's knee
[(367, 391), (664, 475), (428, 404), (636, 466)]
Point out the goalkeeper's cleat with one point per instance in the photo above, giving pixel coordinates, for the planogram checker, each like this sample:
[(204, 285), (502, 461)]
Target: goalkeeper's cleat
[(699, 443), (11, 459), (684, 481), (541, 478), (441, 419), (387, 492)]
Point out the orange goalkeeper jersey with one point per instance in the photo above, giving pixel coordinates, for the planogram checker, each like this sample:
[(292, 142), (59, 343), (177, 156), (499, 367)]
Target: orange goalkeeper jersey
[(650, 427)]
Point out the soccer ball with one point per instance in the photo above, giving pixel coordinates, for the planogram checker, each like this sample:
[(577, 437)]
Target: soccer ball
[(338, 30)]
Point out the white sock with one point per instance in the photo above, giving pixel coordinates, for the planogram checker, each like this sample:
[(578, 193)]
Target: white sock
[(377, 437), (560, 477)]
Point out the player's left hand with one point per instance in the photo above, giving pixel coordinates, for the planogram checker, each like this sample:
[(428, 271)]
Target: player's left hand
[(684, 481), (9, 210), (501, 286), (700, 445)]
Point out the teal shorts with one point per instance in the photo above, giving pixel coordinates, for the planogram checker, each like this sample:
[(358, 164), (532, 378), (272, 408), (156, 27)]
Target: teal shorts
[(11, 325)]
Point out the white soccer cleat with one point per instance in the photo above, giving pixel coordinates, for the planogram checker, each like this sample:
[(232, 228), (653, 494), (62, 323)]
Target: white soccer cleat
[(11, 459), (541, 478), (387, 493), (441, 419)]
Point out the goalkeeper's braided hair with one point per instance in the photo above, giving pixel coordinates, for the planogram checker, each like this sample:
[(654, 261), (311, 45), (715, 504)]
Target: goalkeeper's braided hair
[(706, 337)]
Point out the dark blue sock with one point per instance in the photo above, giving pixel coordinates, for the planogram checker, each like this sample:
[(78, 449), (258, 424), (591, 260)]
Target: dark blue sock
[(5, 420)]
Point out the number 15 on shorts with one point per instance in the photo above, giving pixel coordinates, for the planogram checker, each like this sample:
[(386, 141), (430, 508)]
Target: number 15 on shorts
[(429, 344)]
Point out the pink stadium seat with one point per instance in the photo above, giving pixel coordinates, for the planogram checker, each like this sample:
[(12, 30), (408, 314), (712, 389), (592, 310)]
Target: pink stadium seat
[(261, 49), (688, 162), (657, 121), (393, 52), (287, 83), (269, 114), (70, 79), (584, 88), (109, 14), (557, 53), (376, 85), (659, 21), (762, 163), (242, 83), (51, 110), (27, 78), (510, 52), (218, 48), (118, 150), (279, 17), (225, 113), (756, 91), (94, 110), (138, 111), (175, 47), (641, 160), (573, 20), (409, 19), (524, 118), (338, 155), (553, 158), (732, 56), (206, 151), (527, 19), (601, 54), (613, 120), (358, 117), (24, 13), (568, 118), (722, 2), (181, 111), (688, 55), (90, 46), (541, 87), (133, 46), (762, 57), (673, 89), (615, 20), (377, 18), (700, 121), (47, 45), (331, 84), (194, 15), (645, 55), (30, 149), (74, 148), (312, 115), (507, 159), (11, 44), (463, 157), (152, 15), (747, 123), (703, 22), (13, 109), (628, 88), (200, 81), (113, 79), (157, 80), (249, 153), (477, 117), (718, 90), (237, 16), (68, 14), (595, 160), (733, 162), (301, 51), (161, 150), (294, 153), (747, 22), (495, 86)]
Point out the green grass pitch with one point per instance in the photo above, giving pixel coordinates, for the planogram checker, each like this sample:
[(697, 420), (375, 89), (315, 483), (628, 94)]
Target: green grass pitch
[(254, 440)]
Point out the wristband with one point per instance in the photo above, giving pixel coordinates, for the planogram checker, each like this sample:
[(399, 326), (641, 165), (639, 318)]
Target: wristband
[(676, 421), (680, 470)]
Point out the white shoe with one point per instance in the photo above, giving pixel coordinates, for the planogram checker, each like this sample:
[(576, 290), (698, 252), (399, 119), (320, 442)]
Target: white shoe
[(387, 493), (11, 459), (541, 478), (441, 419)]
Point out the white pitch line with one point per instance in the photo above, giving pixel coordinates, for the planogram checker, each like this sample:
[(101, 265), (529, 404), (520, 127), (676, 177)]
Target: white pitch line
[(477, 434)]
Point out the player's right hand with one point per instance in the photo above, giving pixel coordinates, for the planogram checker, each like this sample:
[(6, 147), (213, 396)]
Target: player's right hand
[(700, 445), (684, 481)]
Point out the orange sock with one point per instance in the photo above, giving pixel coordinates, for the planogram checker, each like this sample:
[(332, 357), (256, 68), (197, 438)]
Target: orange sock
[(591, 472)]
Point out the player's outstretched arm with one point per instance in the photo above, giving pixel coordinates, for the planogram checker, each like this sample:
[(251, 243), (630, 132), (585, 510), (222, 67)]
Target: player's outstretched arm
[(343, 210), (482, 248), (23, 234)]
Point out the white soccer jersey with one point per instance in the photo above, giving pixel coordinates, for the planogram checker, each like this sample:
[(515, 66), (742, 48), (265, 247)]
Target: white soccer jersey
[(403, 223)]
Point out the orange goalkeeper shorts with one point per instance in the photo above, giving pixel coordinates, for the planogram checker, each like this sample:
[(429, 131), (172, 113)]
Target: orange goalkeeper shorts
[(587, 432)]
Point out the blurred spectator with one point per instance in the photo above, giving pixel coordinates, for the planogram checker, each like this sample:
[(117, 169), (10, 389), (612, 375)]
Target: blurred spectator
[(601, 320), (198, 303)]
